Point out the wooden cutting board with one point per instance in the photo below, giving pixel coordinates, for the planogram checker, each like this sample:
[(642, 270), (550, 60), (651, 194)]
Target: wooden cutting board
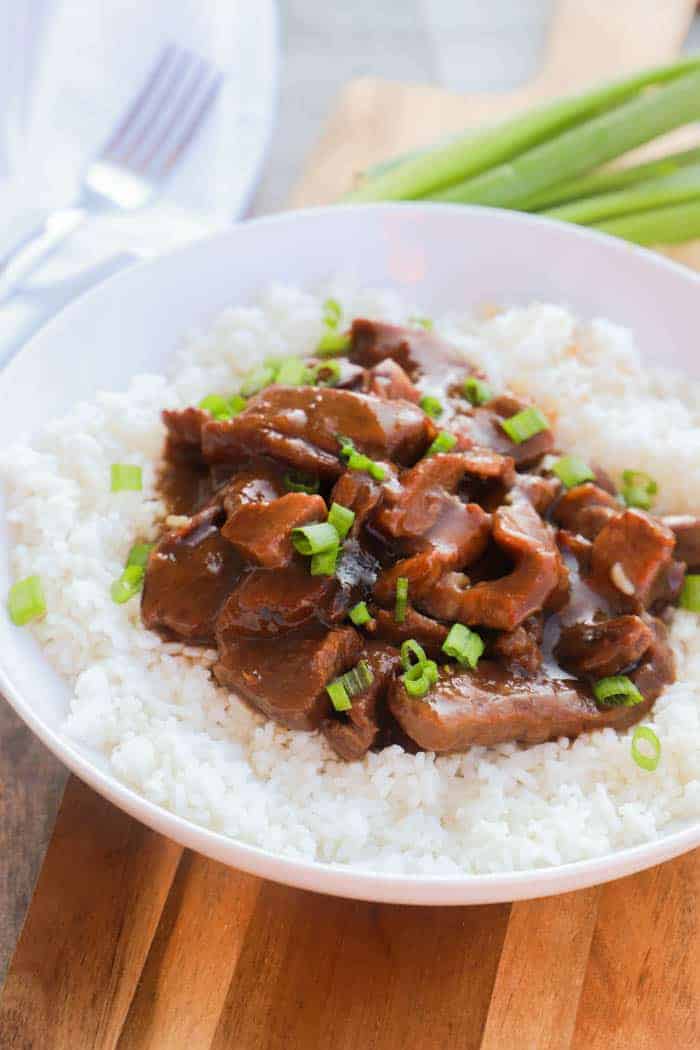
[(131, 942)]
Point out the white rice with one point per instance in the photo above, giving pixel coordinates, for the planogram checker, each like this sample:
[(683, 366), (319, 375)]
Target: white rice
[(187, 745)]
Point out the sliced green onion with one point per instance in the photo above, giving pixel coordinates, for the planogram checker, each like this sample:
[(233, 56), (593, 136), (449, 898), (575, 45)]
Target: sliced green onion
[(236, 404), (332, 312), (292, 371), (360, 614), (26, 601), (333, 343), (638, 489), (257, 379), (358, 461), (341, 518), (524, 425), (314, 539), (420, 677), (411, 648), (422, 322), (431, 406), (617, 691), (128, 584), (297, 481), (401, 599), (324, 563), (572, 471), (125, 477), (476, 391), (648, 736), (464, 645), (444, 442), (325, 373), (357, 679), (138, 555), (217, 406), (339, 696), (690, 595)]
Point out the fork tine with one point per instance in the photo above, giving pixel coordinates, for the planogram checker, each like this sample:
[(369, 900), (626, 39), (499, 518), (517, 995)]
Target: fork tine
[(151, 85), (184, 123)]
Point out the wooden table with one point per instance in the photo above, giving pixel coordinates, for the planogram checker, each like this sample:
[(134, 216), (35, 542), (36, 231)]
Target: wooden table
[(130, 942)]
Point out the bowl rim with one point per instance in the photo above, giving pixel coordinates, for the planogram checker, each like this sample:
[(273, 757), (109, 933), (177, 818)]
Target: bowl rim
[(335, 878)]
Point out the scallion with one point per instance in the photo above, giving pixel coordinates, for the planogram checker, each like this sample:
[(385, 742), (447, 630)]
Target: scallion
[(360, 614), (26, 601), (444, 442), (332, 342), (341, 518), (257, 379), (422, 322), (411, 648), (401, 599), (464, 645), (324, 563), (217, 406), (432, 406), (314, 539), (476, 391), (339, 696), (419, 678), (617, 691), (524, 425), (292, 371), (358, 461), (126, 477), (128, 584), (341, 690), (690, 595), (236, 404), (638, 489), (646, 761), (139, 554), (332, 313), (325, 373), (297, 481), (572, 471)]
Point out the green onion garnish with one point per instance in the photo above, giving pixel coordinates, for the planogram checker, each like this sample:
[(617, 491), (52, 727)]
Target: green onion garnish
[(617, 691), (341, 518), (325, 373), (333, 343), (358, 461), (464, 645), (638, 489), (257, 379), (324, 563), (236, 404), (411, 648), (217, 406), (572, 471), (360, 614), (524, 425), (297, 481), (125, 477), (401, 599), (649, 762), (476, 391), (313, 539), (339, 696), (292, 371), (26, 601), (431, 406), (139, 554), (332, 312), (690, 595), (128, 584), (420, 677), (422, 322), (444, 442)]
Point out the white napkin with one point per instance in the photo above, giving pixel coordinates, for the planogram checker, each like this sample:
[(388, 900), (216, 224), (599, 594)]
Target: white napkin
[(68, 69)]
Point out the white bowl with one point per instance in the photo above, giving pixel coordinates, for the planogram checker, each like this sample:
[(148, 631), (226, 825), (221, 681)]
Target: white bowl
[(443, 257)]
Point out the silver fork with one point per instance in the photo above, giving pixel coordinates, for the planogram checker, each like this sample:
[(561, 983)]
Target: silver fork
[(144, 147)]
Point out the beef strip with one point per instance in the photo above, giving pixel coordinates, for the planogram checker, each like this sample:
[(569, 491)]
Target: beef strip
[(686, 529), (585, 509), (629, 557), (520, 649), (190, 573), (488, 706), (388, 379), (351, 735), (259, 481), (183, 440), (417, 352), (504, 603), (482, 426), (262, 532), (359, 493), (265, 603), (428, 633), (285, 677), (301, 425), (608, 647), (540, 492)]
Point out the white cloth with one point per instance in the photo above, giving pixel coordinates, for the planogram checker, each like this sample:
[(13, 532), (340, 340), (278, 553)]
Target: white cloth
[(68, 69)]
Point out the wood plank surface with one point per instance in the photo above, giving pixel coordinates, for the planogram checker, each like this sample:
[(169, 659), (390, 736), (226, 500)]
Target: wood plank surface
[(131, 944)]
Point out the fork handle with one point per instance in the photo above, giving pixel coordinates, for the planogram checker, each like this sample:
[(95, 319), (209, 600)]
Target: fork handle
[(39, 243)]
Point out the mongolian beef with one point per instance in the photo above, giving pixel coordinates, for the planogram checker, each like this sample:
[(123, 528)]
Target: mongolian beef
[(382, 546)]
